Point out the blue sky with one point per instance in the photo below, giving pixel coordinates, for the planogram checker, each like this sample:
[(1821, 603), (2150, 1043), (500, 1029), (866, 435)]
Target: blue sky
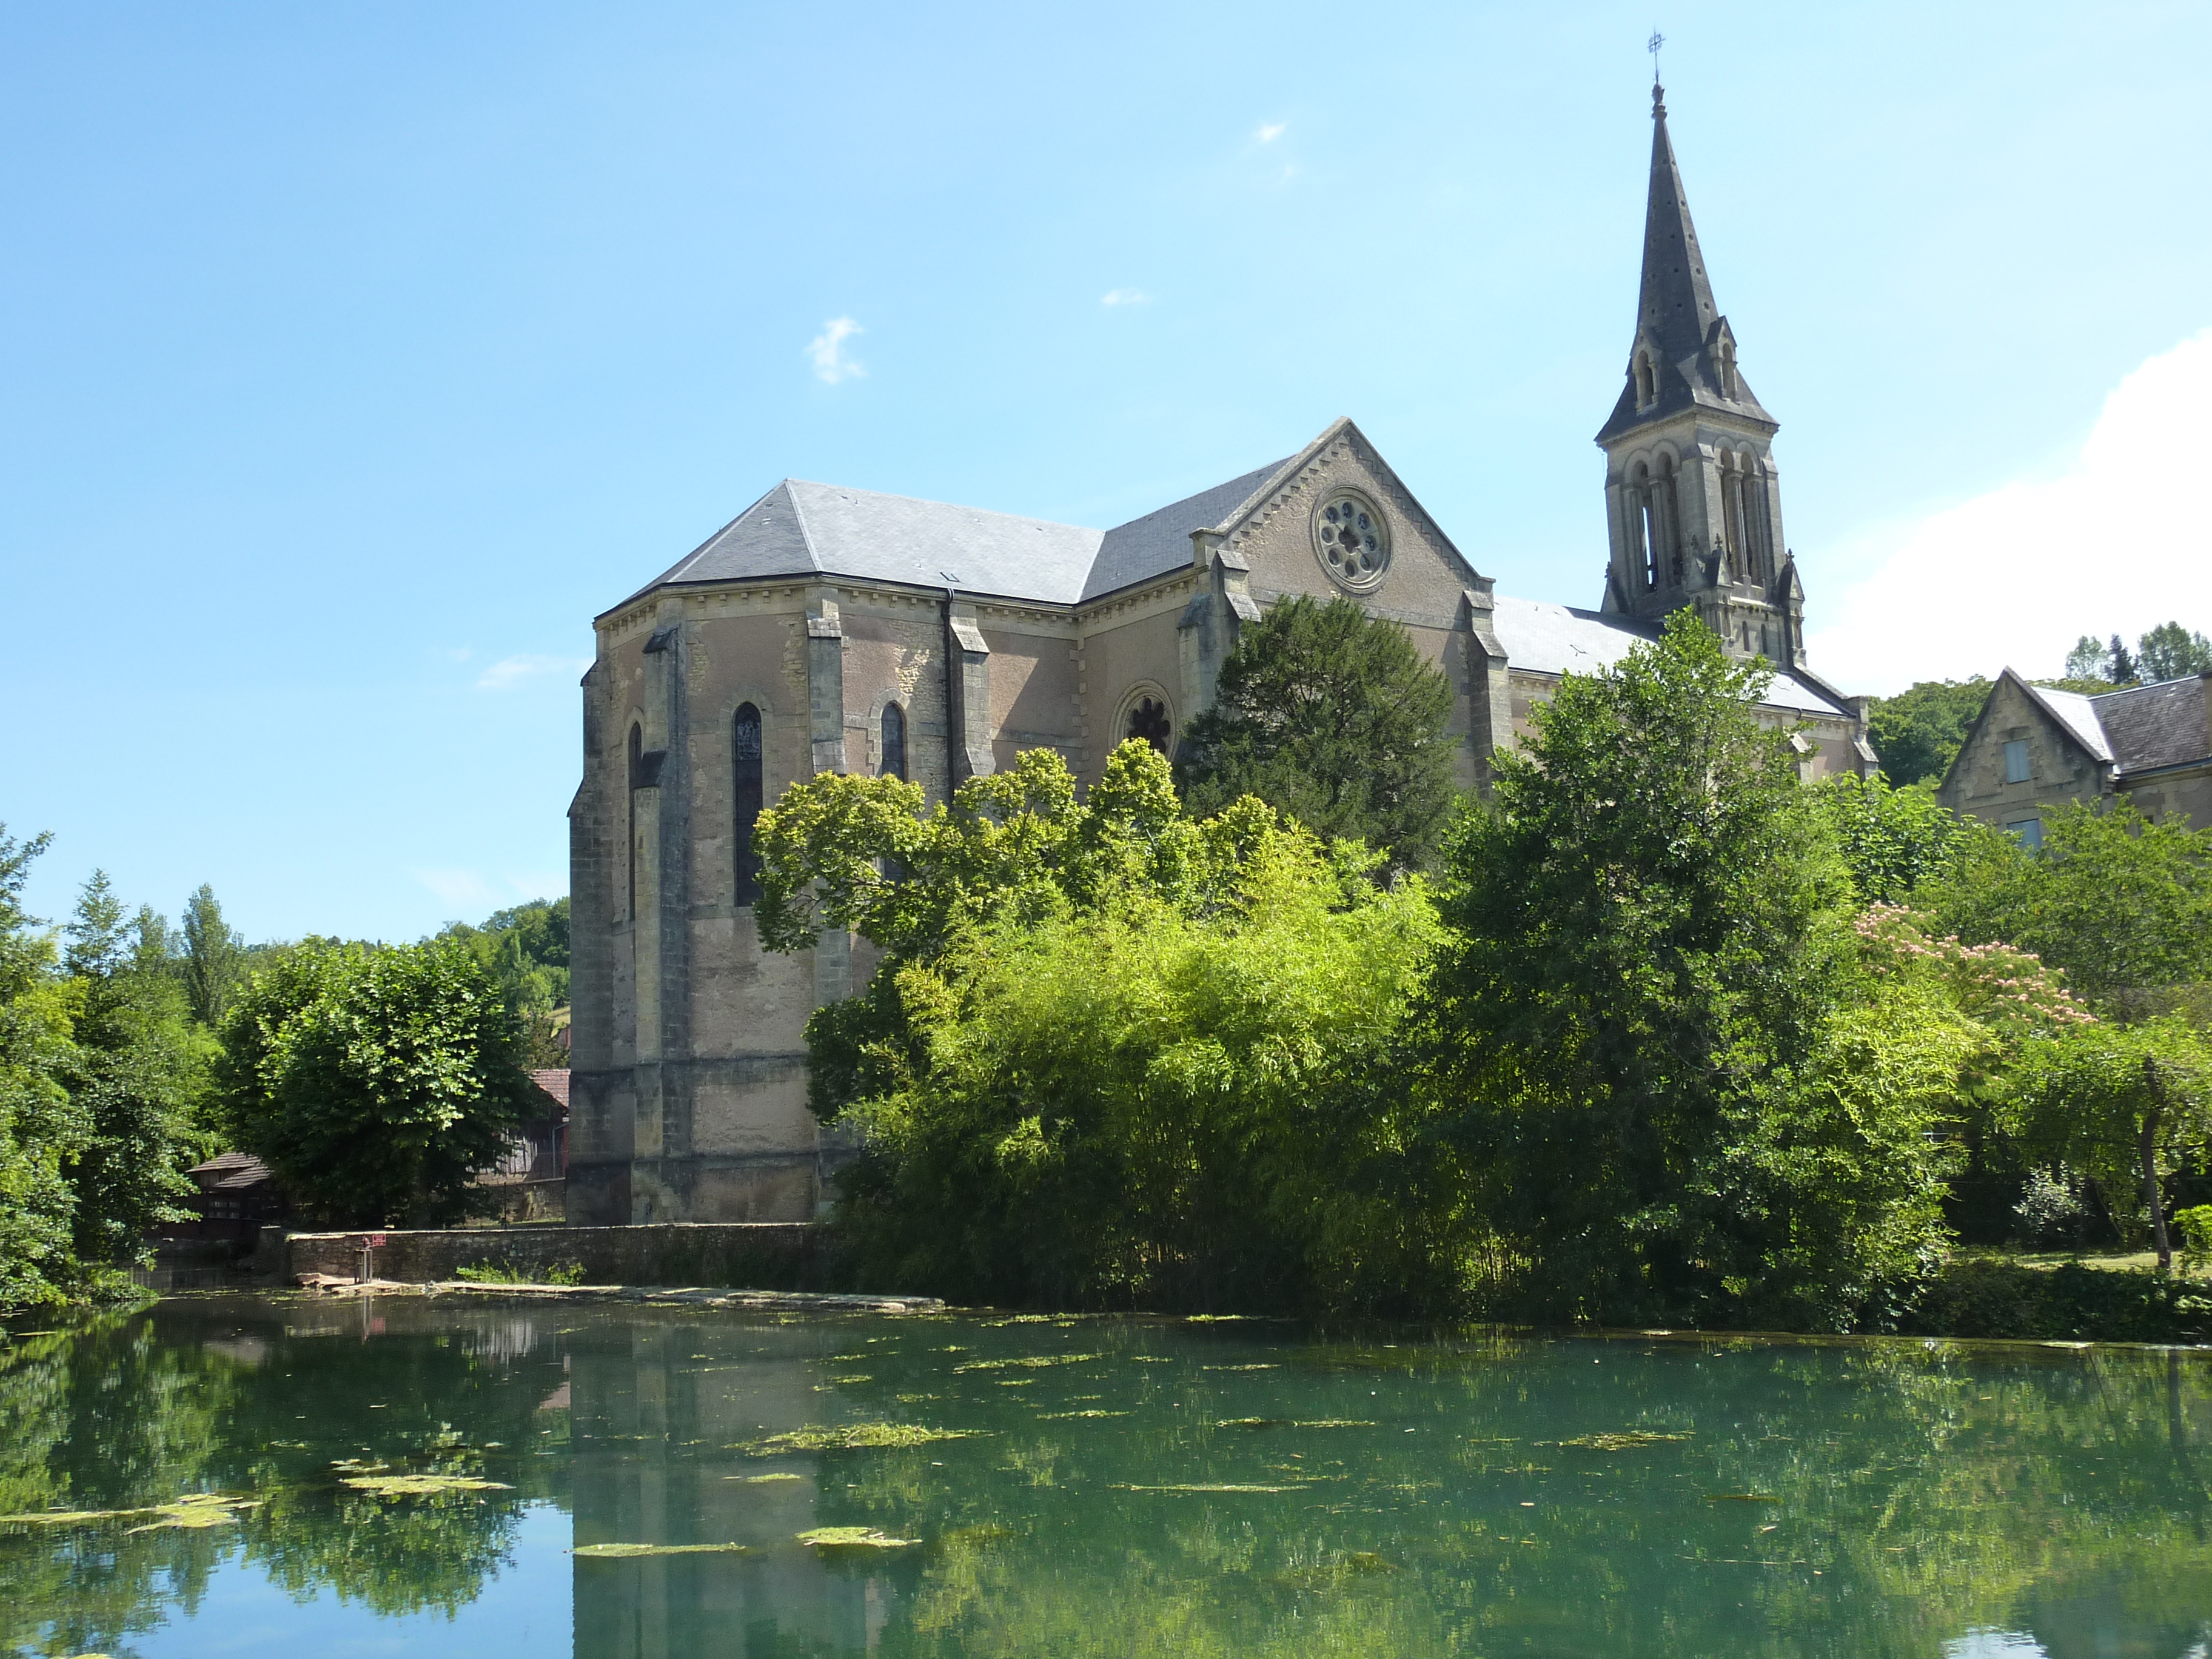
[(356, 356)]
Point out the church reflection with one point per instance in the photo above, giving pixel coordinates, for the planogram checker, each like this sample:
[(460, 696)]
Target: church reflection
[(651, 1414)]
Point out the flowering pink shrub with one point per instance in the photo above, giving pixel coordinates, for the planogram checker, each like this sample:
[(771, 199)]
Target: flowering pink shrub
[(2005, 989)]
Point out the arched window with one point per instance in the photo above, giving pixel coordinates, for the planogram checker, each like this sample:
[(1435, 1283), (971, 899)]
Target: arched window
[(1647, 527), (636, 776), (1148, 720), (1647, 383), (745, 798), (894, 753), (1666, 516)]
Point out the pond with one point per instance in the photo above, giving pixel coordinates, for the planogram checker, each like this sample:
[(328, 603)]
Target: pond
[(445, 1476)]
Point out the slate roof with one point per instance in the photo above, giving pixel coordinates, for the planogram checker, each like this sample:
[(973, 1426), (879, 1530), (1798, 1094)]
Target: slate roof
[(800, 529), (1675, 305), (1559, 639), (1160, 542), (230, 1172), (2077, 715), (2150, 727)]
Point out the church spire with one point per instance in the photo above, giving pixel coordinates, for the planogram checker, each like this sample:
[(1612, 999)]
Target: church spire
[(1684, 353), (1675, 306), (1693, 498)]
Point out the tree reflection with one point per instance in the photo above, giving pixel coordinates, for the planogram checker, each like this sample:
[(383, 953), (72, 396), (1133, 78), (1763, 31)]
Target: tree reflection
[(135, 1410)]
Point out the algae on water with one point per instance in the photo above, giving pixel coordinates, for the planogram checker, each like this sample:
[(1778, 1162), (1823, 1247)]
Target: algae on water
[(847, 1538), (1030, 1362), (1195, 1486), (192, 1512), (419, 1485), (630, 1551), (851, 1437), (1627, 1440)]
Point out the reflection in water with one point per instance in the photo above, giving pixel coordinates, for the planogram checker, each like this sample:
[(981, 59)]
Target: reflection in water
[(1116, 1487)]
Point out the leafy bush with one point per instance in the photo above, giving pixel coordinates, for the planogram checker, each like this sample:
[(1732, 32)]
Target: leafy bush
[(2195, 1226), (1980, 1296), (506, 1273), (2051, 1210), (1116, 1055), (374, 1081)]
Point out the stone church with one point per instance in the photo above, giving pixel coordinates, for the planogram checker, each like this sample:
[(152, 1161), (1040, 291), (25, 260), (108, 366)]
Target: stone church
[(830, 629)]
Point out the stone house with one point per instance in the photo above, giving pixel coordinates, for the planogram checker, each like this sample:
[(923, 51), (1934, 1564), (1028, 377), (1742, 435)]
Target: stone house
[(2035, 749), (830, 629)]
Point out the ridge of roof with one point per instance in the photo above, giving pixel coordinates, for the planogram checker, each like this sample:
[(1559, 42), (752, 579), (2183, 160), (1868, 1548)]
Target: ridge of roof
[(1153, 543), (2076, 715), (1285, 470)]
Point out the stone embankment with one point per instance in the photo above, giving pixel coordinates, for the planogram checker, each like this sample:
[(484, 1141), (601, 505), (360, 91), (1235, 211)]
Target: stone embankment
[(679, 1296), (757, 1255)]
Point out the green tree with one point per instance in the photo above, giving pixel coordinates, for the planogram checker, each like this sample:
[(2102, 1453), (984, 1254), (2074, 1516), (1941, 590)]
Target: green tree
[(2122, 1103), (1891, 839), (374, 1081), (214, 958), (1674, 1104), (1115, 1054), (1334, 718), (1917, 732), (42, 1126), (2121, 904), (2171, 651), (139, 1069), (526, 951), (2090, 659)]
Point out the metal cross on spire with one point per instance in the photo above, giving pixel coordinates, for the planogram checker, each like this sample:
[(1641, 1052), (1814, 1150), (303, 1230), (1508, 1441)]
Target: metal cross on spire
[(1652, 46)]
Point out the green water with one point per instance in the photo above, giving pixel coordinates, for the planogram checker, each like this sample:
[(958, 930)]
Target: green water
[(1115, 1487)]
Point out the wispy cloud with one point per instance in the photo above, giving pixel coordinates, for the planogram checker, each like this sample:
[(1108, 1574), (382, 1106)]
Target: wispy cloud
[(2116, 542), (827, 352), (1272, 130), (510, 671), (462, 889), (1126, 296)]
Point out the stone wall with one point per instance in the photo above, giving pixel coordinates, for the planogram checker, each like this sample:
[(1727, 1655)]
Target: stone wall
[(741, 1256)]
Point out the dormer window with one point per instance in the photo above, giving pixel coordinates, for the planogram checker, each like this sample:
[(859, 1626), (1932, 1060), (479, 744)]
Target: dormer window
[(1647, 382), (1724, 367)]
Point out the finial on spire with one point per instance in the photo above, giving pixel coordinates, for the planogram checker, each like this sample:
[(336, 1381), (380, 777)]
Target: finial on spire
[(1652, 46)]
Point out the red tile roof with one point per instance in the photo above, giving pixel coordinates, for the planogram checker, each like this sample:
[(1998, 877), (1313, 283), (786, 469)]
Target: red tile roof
[(554, 1083)]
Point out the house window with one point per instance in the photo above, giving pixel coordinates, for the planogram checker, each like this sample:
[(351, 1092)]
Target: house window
[(2029, 831), (894, 756), (745, 798), (2017, 769)]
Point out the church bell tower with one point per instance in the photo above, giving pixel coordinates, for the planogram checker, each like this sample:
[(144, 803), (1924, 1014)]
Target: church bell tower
[(1694, 503)]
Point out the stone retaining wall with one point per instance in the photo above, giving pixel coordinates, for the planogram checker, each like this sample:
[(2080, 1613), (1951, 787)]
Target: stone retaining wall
[(757, 1256)]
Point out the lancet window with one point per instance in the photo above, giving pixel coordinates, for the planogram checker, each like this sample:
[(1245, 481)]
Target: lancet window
[(893, 749), (636, 777), (745, 798)]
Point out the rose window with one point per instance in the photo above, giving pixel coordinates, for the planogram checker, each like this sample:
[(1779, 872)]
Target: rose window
[(1149, 720), (1354, 541)]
